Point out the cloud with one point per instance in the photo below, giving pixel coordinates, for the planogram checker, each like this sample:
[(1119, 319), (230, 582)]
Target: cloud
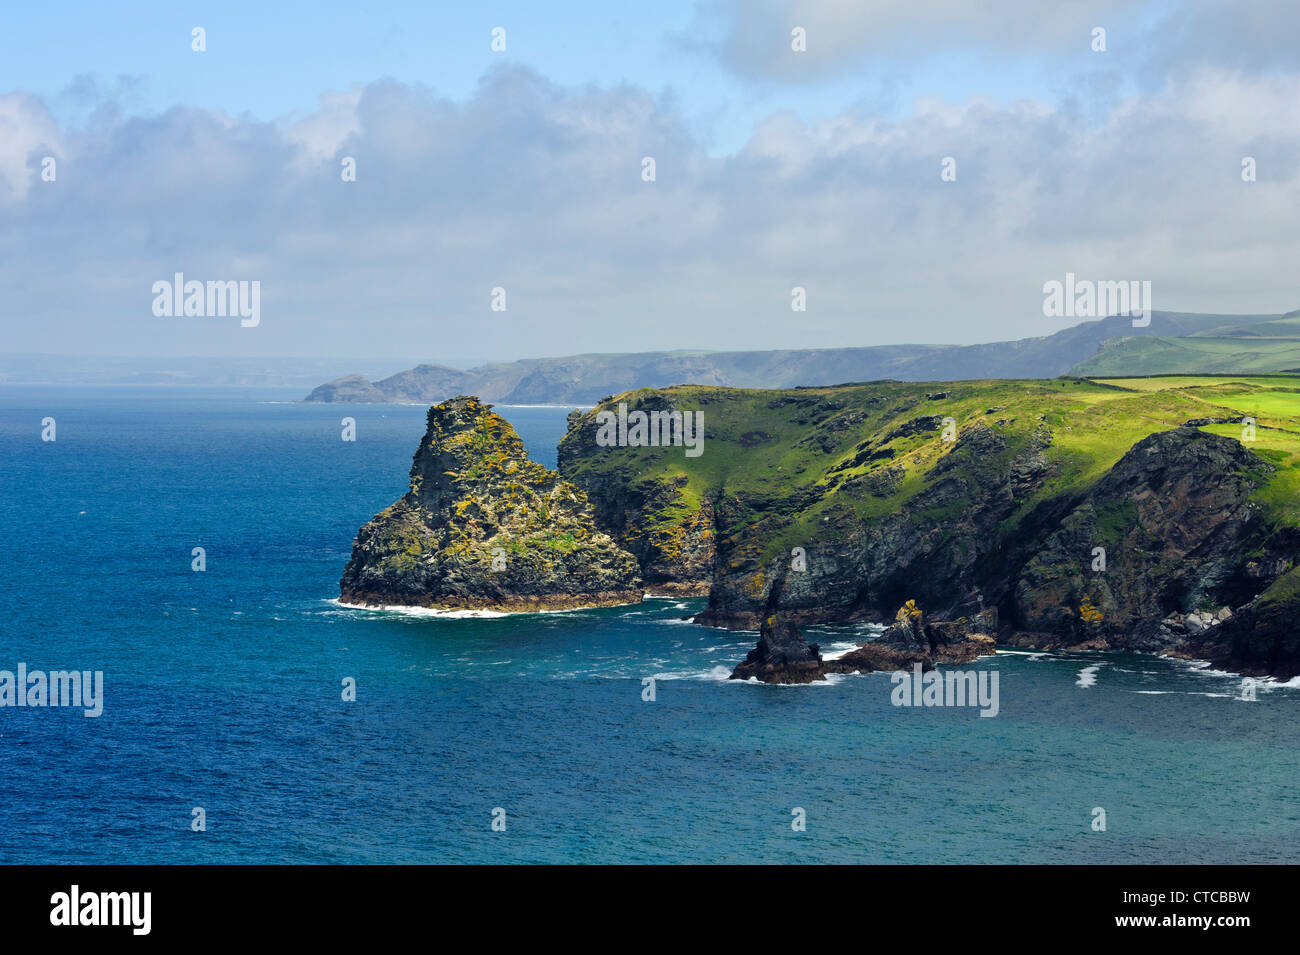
[(1155, 39), (26, 128), (1253, 36), (537, 188), (754, 36)]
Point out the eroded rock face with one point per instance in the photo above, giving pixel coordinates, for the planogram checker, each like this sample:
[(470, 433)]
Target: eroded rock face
[(840, 505), (1175, 519), (642, 511), (1262, 638), (483, 527), (782, 656), (931, 550)]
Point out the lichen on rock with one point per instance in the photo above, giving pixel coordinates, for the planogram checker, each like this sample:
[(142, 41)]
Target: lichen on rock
[(913, 639), (484, 527)]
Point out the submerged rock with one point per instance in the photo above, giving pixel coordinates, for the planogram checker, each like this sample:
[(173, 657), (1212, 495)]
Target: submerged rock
[(782, 656), (483, 527)]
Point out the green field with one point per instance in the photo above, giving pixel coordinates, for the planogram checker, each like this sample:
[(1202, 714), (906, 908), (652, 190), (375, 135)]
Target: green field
[(1254, 348)]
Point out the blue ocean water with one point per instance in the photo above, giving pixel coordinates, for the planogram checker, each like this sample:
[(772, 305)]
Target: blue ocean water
[(223, 690)]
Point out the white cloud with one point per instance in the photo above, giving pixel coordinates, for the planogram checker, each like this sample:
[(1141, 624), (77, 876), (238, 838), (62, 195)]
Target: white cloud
[(321, 134), (537, 188), (25, 127)]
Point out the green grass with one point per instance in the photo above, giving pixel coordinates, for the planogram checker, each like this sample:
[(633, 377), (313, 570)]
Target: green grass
[(787, 459), (1257, 348), (1283, 591)]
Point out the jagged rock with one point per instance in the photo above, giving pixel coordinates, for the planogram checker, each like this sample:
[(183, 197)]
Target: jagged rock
[(874, 506), (483, 527), (1261, 638), (676, 556), (1175, 517), (911, 639), (782, 656)]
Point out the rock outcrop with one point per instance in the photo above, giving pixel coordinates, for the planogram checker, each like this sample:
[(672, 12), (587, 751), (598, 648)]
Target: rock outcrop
[(781, 656), (646, 510), (1089, 515), (1167, 529), (1260, 639), (913, 639), (483, 527)]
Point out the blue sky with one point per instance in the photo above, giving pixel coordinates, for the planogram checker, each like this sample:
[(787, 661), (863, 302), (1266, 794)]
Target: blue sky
[(522, 170), (272, 60)]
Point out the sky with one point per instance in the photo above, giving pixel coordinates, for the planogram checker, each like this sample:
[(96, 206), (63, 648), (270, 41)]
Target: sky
[(517, 176)]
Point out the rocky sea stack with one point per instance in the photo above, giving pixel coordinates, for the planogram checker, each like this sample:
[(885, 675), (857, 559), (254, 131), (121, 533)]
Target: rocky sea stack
[(781, 656), (913, 639), (483, 527)]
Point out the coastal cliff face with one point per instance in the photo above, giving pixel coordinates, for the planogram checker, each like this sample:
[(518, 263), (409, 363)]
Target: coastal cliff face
[(645, 500), (1171, 525), (1087, 514), (1260, 639), (930, 548), (483, 527)]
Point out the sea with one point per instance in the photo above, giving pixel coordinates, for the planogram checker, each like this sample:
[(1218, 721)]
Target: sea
[(248, 717)]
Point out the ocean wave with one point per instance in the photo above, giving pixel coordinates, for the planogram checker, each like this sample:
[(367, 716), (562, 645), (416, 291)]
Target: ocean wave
[(839, 648), (717, 674), (404, 611), (448, 614)]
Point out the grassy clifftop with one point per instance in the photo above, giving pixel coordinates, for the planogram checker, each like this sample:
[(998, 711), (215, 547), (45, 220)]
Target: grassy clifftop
[(841, 502), (871, 448)]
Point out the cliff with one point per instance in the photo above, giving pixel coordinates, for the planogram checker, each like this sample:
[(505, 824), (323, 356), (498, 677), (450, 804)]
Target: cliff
[(1260, 639), (1131, 514), (483, 527)]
